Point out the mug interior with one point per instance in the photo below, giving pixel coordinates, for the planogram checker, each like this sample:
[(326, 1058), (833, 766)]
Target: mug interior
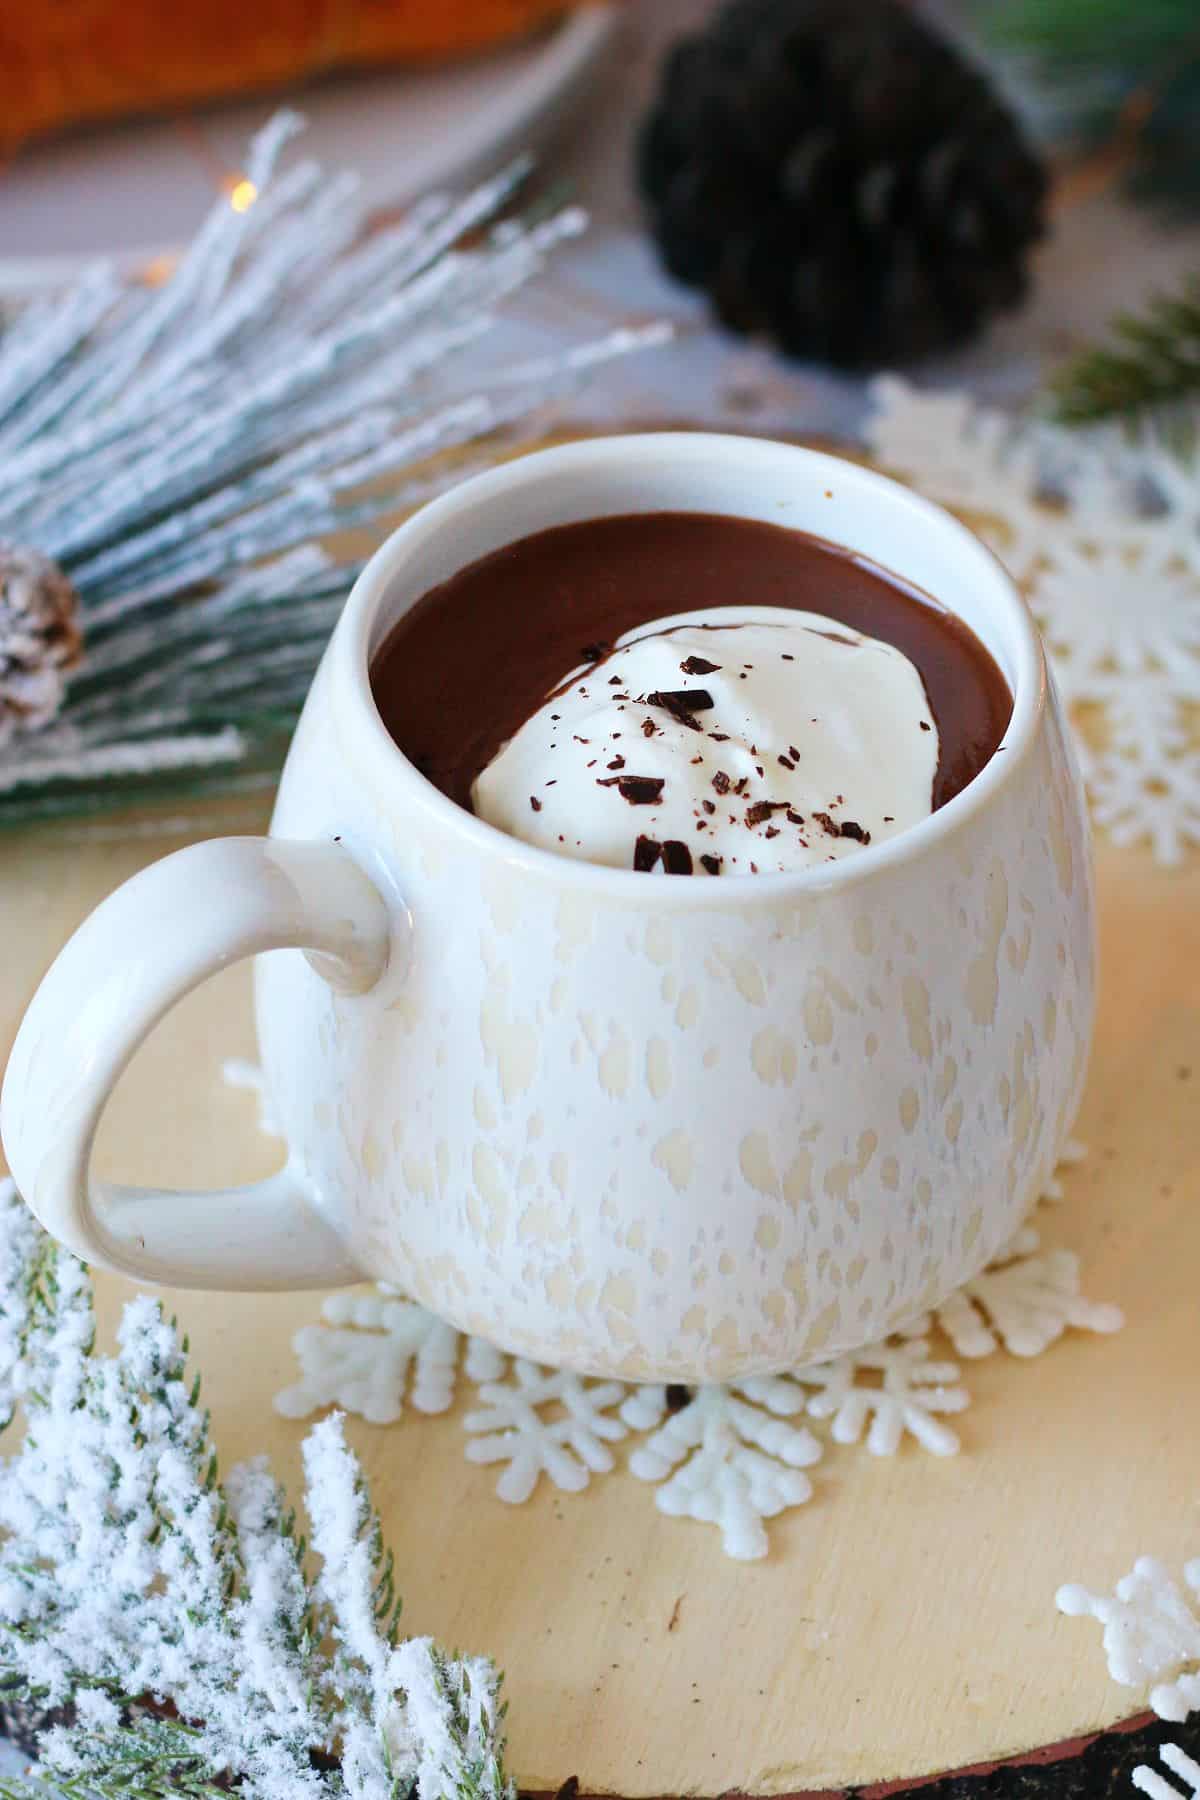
[(851, 507)]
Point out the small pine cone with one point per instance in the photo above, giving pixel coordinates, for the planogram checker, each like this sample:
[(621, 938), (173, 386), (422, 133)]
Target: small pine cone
[(840, 179), (40, 638)]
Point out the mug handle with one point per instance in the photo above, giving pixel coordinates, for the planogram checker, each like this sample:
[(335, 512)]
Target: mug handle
[(145, 947)]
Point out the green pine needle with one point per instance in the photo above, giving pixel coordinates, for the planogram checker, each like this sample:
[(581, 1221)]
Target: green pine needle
[(1151, 364)]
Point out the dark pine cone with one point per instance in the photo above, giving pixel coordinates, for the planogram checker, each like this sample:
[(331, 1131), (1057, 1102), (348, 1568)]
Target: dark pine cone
[(839, 178)]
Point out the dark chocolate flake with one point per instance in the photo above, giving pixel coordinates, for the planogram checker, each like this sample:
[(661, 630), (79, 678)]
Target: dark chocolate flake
[(639, 790), (794, 817), (850, 828), (683, 704), (719, 737), (762, 810), (721, 782), (696, 665), (677, 858), (648, 728), (646, 852), (785, 760), (711, 863), (618, 762), (535, 803), (925, 725), (708, 806), (823, 819), (614, 681)]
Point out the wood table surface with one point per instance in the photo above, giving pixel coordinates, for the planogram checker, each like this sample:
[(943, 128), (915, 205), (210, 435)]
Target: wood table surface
[(904, 1621)]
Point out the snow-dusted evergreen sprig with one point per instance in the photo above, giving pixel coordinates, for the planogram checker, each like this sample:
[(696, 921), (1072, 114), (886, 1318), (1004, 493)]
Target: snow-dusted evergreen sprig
[(174, 1614), (180, 450)]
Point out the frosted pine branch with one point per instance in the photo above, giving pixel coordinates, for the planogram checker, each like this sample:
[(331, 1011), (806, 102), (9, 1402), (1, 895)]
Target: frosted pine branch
[(130, 1574), (181, 452)]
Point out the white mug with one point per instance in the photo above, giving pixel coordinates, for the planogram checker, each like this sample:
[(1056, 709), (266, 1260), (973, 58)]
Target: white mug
[(629, 1124)]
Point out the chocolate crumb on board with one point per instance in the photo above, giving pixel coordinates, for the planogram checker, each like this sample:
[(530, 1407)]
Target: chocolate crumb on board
[(639, 790), (708, 806), (614, 681), (711, 863), (648, 728), (823, 819), (535, 803), (696, 665), (925, 725), (677, 858), (794, 817), (646, 853), (721, 782), (719, 737), (618, 762), (852, 829)]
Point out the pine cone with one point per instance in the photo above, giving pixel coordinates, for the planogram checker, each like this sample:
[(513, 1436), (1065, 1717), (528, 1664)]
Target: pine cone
[(837, 177), (40, 638)]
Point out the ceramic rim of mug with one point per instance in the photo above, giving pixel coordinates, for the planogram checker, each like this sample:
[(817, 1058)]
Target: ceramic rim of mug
[(352, 645)]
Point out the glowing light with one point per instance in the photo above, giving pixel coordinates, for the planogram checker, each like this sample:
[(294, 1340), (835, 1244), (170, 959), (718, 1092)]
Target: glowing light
[(242, 195)]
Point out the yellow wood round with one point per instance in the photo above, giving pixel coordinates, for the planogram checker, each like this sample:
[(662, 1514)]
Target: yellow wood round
[(904, 1621)]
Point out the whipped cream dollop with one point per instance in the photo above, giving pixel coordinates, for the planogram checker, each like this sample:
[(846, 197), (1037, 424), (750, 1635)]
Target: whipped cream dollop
[(736, 741)]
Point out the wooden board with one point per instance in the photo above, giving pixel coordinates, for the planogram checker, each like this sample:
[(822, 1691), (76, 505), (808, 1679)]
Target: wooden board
[(904, 1621)]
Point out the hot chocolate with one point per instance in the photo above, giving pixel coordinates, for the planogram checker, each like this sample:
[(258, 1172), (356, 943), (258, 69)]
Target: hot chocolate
[(796, 704)]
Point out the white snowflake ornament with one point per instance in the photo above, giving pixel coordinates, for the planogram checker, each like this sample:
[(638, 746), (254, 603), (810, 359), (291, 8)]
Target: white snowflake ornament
[(1148, 1781), (887, 1391), (1151, 1632), (729, 1457), (372, 1351), (568, 1443), (1112, 573), (1024, 1304)]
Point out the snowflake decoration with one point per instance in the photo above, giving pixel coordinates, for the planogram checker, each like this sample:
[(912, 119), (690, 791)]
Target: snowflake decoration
[(1148, 1781), (365, 1357), (910, 1395), (1111, 570), (1024, 1304), (569, 1447), (729, 1456), (1151, 1632)]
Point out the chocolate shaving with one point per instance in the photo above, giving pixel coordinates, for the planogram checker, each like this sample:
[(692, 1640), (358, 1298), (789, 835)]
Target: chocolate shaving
[(794, 817), (646, 853), (721, 782), (696, 665), (711, 863), (648, 728), (614, 681), (535, 803), (618, 762), (639, 790), (677, 858), (762, 809), (682, 703), (823, 819), (785, 760), (771, 831), (852, 829), (925, 725), (719, 737), (708, 806)]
